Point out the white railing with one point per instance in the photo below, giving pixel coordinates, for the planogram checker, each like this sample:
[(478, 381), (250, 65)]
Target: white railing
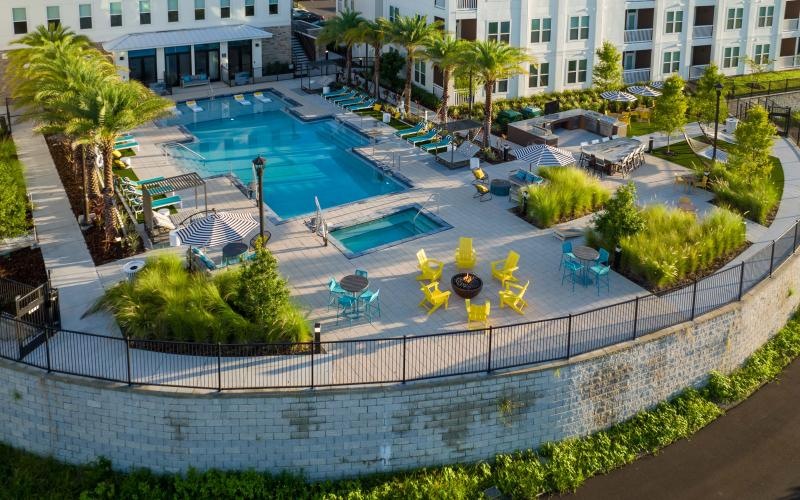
[(636, 75), (703, 31), (785, 62), (696, 71), (640, 35), (438, 91), (791, 24), (467, 5)]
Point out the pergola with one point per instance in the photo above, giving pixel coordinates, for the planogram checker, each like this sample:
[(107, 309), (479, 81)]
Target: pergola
[(169, 185)]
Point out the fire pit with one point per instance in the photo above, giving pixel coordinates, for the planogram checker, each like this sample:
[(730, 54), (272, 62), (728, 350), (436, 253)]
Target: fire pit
[(466, 285)]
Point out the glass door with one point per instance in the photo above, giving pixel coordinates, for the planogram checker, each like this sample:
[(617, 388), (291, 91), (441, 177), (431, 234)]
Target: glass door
[(178, 61), (629, 60), (142, 64), (631, 19), (206, 60)]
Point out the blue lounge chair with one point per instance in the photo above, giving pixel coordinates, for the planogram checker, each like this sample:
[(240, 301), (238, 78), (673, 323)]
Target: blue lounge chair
[(364, 106), (335, 93), (435, 146), (124, 138), (416, 129), (428, 136), (126, 180), (119, 146), (344, 97), (166, 202), (351, 102)]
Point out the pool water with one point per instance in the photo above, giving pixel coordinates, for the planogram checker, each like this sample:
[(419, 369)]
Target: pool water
[(393, 228), (304, 160)]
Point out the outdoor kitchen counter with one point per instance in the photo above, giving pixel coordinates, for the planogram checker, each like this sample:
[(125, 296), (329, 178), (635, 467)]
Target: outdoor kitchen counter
[(539, 130)]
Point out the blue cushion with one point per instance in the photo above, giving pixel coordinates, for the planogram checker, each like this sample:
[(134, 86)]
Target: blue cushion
[(187, 78), (202, 76), (520, 175), (195, 250), (208, 262)]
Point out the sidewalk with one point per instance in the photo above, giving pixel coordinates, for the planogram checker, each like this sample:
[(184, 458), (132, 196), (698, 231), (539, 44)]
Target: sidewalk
[(63, 247)]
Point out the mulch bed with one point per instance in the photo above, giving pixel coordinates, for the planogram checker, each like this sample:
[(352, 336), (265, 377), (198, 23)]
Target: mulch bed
[(25, 266)]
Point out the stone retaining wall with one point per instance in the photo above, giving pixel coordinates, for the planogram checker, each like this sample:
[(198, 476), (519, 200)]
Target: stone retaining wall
[(341, 432)]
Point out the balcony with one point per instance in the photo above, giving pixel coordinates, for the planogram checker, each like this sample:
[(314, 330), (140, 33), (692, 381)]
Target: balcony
[(703, 31), (791, 24), (696, 71), (786, 62), (631, 76), (467, 5), (638, 36)]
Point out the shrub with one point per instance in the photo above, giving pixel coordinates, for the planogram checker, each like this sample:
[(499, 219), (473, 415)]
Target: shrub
[(569, 193), (568, 99), (13, 198), (621, 216), (752, 196)]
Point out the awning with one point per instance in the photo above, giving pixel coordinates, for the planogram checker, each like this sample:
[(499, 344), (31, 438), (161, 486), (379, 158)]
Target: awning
[(176, 38)]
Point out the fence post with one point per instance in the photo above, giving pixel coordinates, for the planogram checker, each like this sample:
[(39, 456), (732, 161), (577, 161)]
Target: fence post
[(772, 259), (489, 360), (312, 368), (128, 358), (635, 317), (794, 245), (694, 297), (404, 359), (741, 280), (219, 367), (569, 336), (47, 346)]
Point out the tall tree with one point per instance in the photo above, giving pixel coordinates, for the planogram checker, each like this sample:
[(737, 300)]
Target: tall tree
[(495, 61), (704, 100), (447, 53), (669, 113), (607, 69), (755, 136), (413, 33), (342, 30), (376, 35)]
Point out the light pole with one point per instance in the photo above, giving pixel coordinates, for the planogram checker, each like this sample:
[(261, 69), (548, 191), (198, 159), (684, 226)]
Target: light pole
[(258, 164), (718, 88)]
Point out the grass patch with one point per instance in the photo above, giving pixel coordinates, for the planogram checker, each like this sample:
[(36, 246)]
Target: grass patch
[(569, 193), (769, 81), (636, 129), (13, 195), (378, 115)]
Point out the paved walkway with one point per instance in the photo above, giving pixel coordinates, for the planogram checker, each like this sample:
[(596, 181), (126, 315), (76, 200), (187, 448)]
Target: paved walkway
[(751, 452), (63, 247)]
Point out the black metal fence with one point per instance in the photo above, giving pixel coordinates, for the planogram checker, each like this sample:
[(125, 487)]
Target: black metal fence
[(391, 360), (742, 87)]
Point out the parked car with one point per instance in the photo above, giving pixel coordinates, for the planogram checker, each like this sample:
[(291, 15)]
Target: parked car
[(304, 15)]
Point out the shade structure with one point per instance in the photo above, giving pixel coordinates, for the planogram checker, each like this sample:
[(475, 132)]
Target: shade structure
[(217, 229), (544, 155), (657, 85), (643, 91), (617, 96)]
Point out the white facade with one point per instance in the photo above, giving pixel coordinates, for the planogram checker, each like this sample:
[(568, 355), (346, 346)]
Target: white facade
[(657, 37), (109, 21)]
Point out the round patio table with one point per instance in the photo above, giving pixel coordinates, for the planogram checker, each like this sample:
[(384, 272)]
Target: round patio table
[(232, 251), (354, 284), (586, 255), (500, 187)]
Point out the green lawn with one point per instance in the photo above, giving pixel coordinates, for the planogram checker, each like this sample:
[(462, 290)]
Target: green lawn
[(641, 128), (378, 115), (774, 81)]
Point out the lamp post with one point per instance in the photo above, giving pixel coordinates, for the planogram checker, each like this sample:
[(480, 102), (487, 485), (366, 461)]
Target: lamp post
[(718, 88), (258, 164)]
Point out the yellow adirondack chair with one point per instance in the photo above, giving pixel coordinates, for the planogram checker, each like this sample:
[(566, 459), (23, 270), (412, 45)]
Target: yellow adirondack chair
[(512, 296), (504, 269), (478, 314), (434, 298), (466, 258), (430, 269)]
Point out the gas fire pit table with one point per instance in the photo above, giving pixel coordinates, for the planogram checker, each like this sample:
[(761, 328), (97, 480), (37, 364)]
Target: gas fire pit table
[(466, 285)]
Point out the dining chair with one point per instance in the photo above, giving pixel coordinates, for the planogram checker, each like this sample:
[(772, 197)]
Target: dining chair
[(361, 272)]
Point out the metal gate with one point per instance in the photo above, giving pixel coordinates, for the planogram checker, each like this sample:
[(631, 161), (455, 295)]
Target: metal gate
[(37, 311)]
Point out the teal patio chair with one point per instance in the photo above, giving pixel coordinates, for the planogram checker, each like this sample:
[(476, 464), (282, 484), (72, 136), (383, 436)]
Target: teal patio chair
[(372, 303), (361, 272), (334, 291), (572, 270), (601, 273), (566, 253), (435, 146), (416, 129), (345, 308)]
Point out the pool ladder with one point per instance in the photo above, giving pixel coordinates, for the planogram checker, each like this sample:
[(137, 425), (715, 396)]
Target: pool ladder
[(433, 198)]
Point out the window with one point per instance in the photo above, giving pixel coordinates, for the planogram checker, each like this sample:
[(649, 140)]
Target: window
[(499, 31), (761, 53), (224, 9), (579, 28), (765, 16), (53, 16), (540, 30), (273, 7), (394, 13), (115, 8), (731, 57), (576, 71), (249, 8), (85, 16), (199, 10), (734, 18), (500, 87), (674, 21), (20, 19), (419, 72), (539, 76), (172, 11), (672, 62), (144, 11)]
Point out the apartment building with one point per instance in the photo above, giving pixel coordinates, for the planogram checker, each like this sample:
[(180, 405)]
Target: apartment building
[(657, 37), (162, 40)]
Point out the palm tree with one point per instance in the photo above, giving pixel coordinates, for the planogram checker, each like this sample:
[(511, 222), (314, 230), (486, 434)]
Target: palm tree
[(413, 33), (376, 35), (342, 30), (495, 61), (447, 53)]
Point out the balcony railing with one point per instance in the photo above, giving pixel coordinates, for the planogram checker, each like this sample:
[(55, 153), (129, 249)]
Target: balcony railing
[(467, 5), (631, 76), (696, 71), (640, 35), (791, 24), (785, 62), (703, 31)]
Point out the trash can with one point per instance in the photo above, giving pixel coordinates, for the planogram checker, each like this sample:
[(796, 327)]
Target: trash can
[(531, 112), (730, 124), (131, 268), (617, 257), (650, 145), (326, 89)]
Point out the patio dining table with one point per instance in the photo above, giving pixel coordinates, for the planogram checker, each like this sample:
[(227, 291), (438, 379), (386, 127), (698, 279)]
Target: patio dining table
[(613, 151)]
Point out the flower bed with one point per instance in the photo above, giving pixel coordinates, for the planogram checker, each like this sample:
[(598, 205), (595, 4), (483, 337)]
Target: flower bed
[(567, 194)]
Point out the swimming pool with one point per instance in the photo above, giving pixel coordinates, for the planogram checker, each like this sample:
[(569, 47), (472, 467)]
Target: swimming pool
[(392, 229), (304, 160)]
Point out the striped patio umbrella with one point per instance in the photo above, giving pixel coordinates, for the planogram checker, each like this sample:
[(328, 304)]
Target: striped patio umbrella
[(643, 91), (217, 229), (617, 96), (544, 156), (657, 85)]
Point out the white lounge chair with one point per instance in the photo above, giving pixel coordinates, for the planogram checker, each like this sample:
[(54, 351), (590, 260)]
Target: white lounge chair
[(193, 106), (261, 97), (241, 100)]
